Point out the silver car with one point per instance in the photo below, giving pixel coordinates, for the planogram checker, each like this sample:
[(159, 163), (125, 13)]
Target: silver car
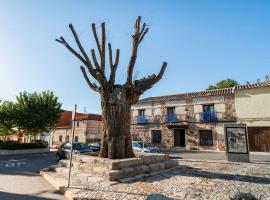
[(139, 146)]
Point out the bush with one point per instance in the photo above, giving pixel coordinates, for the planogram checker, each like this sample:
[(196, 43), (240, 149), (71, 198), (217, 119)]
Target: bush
[(13, 145)]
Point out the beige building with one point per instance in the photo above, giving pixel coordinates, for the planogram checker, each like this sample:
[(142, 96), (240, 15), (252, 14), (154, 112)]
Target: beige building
[(196, 120), (88, 128), (253, 108)]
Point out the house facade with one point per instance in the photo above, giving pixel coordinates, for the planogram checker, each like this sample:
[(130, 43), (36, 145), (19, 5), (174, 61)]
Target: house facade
[(196, 120), (88, 128), (253, 108)]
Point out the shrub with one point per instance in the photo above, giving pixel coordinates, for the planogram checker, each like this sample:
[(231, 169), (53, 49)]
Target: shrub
[(13, 145)]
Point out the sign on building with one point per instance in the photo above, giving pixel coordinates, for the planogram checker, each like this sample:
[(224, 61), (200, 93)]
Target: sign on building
[(236, 140)]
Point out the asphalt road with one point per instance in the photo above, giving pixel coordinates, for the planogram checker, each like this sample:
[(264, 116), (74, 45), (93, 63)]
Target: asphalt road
[(20, 179)]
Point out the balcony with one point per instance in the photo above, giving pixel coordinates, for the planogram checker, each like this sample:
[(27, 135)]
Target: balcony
[(141, 119), (173, 118), (208, 116)]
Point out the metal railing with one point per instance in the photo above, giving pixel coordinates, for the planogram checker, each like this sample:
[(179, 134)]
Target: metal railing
[(210, 116)]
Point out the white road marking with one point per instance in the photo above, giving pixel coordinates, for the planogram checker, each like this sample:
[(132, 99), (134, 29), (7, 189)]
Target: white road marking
[(13, 163)]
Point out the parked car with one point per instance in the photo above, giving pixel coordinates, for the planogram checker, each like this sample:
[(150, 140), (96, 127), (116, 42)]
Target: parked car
[(78, 148), (41, 142), (95, 146), (140, 147)]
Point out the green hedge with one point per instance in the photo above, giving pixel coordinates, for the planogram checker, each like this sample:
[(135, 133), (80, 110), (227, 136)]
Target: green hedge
[(12, 145)]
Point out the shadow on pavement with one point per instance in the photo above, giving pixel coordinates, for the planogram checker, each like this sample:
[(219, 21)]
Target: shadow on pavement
[(12, 196), (183, 170)]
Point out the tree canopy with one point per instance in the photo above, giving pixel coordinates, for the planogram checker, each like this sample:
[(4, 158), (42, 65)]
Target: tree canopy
[(6, 118), (36, 112), (223, 84)]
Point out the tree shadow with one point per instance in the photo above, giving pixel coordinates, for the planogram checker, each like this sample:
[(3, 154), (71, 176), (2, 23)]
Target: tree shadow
[(158, 197), (12, 196), (147, 196), (188, 171)]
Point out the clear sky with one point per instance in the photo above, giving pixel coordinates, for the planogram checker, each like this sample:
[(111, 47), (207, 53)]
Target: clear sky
[(202, 41)]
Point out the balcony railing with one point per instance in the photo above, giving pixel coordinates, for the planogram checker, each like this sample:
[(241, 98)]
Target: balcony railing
[(170, 118), (203, 117), (141, 119), (208, 116)]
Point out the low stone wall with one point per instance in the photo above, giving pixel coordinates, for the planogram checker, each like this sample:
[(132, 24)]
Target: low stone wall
[(23, 151), (143, 163)]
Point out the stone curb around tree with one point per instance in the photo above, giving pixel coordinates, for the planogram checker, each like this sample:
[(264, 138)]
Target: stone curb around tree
[(58, 185)]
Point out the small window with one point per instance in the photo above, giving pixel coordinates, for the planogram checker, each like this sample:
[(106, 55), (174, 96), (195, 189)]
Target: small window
[(67, 146), (206, 138), (78, 123), (141, 112), (156, 136), (170, 110), (67, 138), (76, 138), (60, 138)]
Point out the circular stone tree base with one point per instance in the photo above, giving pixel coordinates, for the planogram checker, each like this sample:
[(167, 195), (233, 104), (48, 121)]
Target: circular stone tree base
[(117, 169)]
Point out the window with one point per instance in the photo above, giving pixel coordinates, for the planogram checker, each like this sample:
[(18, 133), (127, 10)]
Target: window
[(141, 112), (156, 136), (206, 137), (208, 108), (76, 138), (78, 123), (170, 110), (60, 138), (67, 146), (67, 138)]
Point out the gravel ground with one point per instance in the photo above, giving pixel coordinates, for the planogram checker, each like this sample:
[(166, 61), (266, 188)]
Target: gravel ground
[(192, 179)]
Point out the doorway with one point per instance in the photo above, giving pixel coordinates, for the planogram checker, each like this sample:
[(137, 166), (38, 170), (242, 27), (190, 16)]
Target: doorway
[(179, 137)]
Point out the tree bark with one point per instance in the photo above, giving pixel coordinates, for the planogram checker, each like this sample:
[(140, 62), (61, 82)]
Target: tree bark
[(116, 141)]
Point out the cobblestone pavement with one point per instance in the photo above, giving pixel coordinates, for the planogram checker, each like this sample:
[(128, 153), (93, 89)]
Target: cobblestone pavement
[(192, 179)]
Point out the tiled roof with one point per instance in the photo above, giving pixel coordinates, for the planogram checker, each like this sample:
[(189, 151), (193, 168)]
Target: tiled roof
[(252, 86), (65, 119), (205, 93)]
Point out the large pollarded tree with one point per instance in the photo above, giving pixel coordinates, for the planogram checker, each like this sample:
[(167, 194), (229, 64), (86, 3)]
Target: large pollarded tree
[(116, 99)]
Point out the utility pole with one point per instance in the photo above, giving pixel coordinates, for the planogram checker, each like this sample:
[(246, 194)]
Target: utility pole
[(72, 140)]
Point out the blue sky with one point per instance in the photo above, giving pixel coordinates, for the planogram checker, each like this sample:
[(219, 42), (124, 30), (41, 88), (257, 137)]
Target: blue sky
[(202, 41)]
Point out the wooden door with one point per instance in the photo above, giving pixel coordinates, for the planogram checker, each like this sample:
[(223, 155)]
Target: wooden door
[(259, 139), (179, 137)]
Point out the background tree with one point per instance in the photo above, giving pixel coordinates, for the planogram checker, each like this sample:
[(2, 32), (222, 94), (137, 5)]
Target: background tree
[(36, 112), (223, 84), (7, 123), (116, 99)]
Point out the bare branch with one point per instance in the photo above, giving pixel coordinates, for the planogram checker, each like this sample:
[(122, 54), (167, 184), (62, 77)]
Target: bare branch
[(91, 85), (146, 83), (95, 59), (63, 41), (96, 38), (79, 44), (102, 56), (143, 34), (114, 65), (137, 38), (87, 64)]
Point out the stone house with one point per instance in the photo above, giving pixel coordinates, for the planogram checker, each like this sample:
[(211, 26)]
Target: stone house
[(88, 128), (196, 120)]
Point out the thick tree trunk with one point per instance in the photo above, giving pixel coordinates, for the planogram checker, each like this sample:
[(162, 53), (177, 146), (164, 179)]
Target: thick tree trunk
[(116, 141)]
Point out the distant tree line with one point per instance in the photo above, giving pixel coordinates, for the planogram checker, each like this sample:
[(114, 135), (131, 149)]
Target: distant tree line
[(30, 114), (226, 83)]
